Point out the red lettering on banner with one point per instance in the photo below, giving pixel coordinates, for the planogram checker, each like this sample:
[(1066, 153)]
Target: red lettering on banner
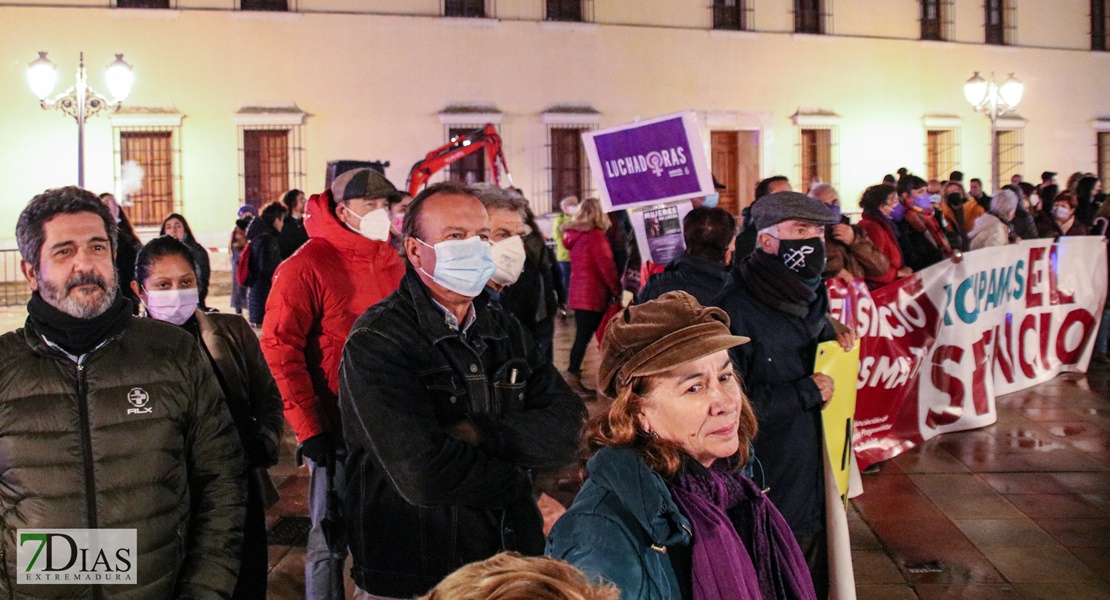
[(1044, 333), (949, 384), (1033, 295), (1003, 351), (1027, 366), (1087, 321), (1042, 272), (980, 372)]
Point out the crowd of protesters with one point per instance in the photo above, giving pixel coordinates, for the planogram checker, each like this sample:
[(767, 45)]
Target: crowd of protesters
[(408, 342)]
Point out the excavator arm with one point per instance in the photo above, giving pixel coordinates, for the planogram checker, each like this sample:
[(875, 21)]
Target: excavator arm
[(485, 140)]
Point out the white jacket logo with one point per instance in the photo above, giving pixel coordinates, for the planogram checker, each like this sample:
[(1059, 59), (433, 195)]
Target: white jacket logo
[(138, 398)]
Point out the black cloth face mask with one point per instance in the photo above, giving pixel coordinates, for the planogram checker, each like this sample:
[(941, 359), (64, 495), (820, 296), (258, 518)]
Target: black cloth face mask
[(804, 257)]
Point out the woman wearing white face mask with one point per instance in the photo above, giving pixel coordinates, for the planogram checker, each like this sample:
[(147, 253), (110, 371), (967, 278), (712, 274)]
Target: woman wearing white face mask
[(1060, 218), (166, 284)]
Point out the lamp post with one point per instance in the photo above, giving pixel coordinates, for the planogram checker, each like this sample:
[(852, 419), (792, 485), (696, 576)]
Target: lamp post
[(80, 101), (995, 101)]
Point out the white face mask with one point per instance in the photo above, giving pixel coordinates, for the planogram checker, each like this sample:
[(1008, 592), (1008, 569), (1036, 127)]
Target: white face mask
[(1062, 212), (508, 255), (172, 306), (374, 225)]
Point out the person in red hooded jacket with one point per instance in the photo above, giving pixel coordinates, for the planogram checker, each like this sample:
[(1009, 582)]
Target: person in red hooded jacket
[(594, 283), (346, 267)]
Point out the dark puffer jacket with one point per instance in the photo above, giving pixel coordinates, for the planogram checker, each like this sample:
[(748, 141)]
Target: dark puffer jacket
[(264, 260), (700, 277), (72, 456)]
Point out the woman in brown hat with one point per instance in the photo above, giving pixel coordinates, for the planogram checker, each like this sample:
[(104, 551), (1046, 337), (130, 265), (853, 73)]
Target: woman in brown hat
[(666, 512)]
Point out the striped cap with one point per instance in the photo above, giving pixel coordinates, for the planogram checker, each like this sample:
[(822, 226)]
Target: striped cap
[(357, 184)]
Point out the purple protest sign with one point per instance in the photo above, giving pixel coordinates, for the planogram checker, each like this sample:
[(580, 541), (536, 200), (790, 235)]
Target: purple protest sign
[(650, 162)]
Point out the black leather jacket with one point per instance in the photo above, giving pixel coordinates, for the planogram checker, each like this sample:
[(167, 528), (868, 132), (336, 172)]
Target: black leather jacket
[(420, 502)]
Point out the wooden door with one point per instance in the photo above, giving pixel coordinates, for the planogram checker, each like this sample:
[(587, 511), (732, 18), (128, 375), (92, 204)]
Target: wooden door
[(566, 164), (735, 164), (725, 150), (265, 166), (750, 167)]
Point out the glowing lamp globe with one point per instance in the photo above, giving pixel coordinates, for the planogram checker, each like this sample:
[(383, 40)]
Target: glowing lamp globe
[(975, 90), (119, 77), (42, 76), (1011, 91)]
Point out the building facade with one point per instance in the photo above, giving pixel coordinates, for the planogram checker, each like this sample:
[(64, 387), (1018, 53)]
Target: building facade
[(238, 100)]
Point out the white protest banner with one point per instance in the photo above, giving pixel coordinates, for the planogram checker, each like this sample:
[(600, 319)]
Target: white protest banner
[(938, 347)]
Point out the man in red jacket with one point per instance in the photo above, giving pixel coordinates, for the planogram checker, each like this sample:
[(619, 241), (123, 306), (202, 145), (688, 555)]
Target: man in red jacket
[(346, 267)]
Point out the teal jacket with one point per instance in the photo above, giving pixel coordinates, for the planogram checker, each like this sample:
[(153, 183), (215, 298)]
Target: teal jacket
[(621, 525)]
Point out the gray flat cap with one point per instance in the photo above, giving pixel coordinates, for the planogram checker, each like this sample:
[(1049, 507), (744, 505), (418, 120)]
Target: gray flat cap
[(773, 209)]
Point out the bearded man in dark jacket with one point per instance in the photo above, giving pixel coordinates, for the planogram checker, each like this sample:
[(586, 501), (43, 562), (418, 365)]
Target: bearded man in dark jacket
[(111, 422), (779, 301), (447, 410)]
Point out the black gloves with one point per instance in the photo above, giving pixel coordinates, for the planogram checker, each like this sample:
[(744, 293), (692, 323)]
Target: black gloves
[(320, 449)]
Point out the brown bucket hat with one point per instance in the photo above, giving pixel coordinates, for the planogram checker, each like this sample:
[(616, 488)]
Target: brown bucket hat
[(660, 335)]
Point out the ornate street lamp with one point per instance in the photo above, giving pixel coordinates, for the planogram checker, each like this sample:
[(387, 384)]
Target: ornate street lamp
[(995, 101), (80, 101)]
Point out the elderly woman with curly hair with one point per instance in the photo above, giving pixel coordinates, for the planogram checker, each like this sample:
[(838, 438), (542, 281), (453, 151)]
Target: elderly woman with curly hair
[(666, 512), (510, 576)]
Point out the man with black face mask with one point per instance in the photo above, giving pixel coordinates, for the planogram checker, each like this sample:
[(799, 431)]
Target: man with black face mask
[(779, 301)]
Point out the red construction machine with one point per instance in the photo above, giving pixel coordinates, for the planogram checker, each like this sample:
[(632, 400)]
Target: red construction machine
[(485, 139)]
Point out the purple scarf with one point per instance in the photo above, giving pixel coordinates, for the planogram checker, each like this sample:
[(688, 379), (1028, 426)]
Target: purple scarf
[(743, 548)]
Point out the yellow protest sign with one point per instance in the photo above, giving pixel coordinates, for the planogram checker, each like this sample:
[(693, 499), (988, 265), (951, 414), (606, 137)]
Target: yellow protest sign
[(838, 415)]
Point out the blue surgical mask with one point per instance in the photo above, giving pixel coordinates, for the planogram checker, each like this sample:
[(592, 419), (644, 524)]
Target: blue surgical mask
[(462, 266), (835, 208), (711, 200)]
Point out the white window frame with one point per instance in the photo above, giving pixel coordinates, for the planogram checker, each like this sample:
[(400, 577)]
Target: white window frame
[(817, 119)]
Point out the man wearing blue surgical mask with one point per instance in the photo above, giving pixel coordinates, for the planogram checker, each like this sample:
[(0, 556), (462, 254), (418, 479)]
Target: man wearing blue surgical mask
[(447, 409)]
